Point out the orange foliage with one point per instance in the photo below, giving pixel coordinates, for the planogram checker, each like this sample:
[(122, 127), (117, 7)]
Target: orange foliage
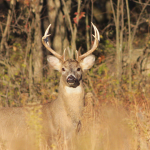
[(82, 14)]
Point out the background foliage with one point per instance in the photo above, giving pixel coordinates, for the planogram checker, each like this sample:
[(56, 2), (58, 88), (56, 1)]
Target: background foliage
[(122, 66)]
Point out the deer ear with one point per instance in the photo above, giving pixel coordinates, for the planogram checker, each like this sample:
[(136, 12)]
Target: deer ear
[(87, 62), (54, 62)]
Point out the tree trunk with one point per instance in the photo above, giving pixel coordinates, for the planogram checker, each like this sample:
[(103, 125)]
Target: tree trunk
[(38, 53), (7, 28), (58, 28)]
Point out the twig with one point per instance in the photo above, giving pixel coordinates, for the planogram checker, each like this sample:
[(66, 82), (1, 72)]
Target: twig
[(118, 41), (73, 43), (130, 47), (112, 6), (137, 23), (91, 84), (28, 47), (9, 19), (68, 17), (87, 29), (17, 20), (3, 63), (91, 19), (78, 11), (7, 82), (138, 2), (110, 24)]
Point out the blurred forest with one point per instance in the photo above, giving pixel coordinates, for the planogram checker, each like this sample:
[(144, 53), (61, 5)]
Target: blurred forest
[(122, 68)]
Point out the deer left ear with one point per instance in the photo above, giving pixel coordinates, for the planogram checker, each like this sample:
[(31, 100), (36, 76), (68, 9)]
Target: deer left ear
[(87, 62)]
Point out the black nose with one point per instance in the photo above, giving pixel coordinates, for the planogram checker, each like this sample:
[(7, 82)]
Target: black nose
[(71, 79)]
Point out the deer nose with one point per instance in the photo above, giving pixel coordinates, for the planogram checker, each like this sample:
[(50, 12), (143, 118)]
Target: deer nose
[(71, 79)]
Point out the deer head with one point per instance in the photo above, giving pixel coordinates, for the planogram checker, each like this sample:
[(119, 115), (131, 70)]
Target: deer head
[(71, 69)]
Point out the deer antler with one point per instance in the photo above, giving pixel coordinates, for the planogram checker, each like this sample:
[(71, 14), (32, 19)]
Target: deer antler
[(78, 57), (47, 45), (96, 41)]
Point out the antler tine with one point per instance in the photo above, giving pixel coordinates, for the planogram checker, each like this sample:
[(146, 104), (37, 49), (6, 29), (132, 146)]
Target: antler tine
[(47, 45), (96, 41)]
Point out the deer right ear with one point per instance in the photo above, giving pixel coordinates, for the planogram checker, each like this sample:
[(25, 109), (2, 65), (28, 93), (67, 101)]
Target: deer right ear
[(54, 62)]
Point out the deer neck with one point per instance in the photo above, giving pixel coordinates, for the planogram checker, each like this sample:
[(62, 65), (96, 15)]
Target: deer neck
[(72, 98)]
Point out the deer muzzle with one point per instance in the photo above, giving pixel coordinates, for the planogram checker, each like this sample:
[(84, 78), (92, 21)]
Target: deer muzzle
[(71, 79)]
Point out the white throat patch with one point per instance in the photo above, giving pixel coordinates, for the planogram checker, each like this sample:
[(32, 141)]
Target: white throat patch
[(71, 90)]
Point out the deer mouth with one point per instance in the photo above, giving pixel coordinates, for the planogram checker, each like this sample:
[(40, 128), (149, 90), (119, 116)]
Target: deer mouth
[(72, 81)]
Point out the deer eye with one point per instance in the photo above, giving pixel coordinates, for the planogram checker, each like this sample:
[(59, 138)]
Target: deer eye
[(63, 69), (78, 69)]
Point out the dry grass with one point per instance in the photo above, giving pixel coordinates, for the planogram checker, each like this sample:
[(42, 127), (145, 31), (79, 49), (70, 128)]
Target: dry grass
[(105, 125), (116, 126)]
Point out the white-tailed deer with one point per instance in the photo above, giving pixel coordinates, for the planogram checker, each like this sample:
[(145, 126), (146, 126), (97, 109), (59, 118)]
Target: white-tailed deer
[(61, 114), (66, 110)]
